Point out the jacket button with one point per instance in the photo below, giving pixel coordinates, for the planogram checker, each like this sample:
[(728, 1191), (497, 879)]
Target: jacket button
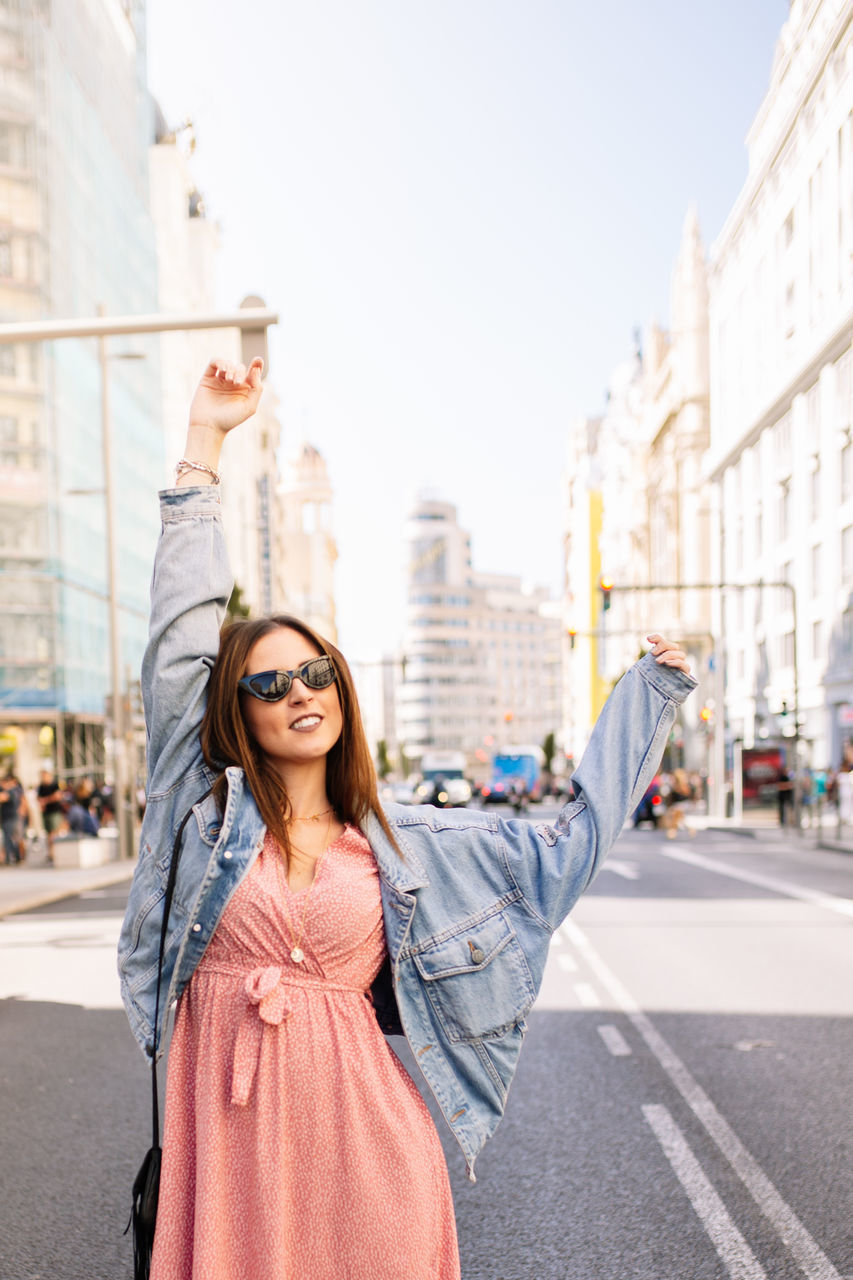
[(477, 955), (196, 928), (228, 854)]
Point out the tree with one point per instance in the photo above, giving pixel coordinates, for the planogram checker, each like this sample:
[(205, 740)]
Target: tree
[(237, 607), (383, 764), (549, 750)]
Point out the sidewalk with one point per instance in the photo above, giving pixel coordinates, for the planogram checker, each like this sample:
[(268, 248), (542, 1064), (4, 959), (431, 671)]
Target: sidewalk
[(34, 885), (759, 824)]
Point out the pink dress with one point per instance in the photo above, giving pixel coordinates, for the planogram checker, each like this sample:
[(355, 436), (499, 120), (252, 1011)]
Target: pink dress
[(296, 1146)]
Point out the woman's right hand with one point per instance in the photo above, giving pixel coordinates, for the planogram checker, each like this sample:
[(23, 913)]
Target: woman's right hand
[(227, 395)]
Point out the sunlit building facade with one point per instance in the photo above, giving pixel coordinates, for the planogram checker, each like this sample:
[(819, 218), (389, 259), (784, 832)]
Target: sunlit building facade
[(75, 236), (187, 247), (781, 313), (306, 550), (637, 513), (482, 654)]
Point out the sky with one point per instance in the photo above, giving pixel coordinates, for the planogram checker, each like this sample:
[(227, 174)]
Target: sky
[(462, 210)]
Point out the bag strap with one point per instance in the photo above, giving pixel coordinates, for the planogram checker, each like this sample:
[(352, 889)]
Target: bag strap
[(167, 906)]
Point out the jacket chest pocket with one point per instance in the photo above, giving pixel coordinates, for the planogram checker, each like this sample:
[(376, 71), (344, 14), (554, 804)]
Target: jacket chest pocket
[(477, 979)]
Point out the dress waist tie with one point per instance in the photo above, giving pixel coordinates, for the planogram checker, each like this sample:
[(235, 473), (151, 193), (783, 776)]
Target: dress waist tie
[(266, 988)]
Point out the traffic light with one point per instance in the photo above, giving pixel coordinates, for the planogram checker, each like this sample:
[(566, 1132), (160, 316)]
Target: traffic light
[(572, 637), (706, 715), (606, 585)]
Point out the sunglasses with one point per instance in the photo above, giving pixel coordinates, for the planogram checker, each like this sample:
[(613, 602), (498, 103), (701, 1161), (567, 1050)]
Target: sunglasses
[(272, 686)]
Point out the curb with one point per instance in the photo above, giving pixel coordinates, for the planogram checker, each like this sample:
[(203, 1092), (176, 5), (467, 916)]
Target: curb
[(102, 878)]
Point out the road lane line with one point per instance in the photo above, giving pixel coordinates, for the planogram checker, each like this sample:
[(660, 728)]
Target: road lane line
[(735, 1254), (587, 995), (843, 906), (615, 1041), (628, 870), (808, 1255), (567, 963)]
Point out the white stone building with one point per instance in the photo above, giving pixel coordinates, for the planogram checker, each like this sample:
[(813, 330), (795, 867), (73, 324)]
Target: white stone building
[(306, 551), (781, 316), (482, 654), (637, 512), (187, 245)]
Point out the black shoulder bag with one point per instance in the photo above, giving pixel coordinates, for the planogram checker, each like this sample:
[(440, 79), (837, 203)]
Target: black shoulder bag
[(146, 1186)]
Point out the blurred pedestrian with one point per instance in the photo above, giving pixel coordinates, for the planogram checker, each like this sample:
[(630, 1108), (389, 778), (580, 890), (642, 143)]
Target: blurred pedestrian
[(51, 801), (784, 795), (13, 810), (82, 819), (678, 792), (307, 920)]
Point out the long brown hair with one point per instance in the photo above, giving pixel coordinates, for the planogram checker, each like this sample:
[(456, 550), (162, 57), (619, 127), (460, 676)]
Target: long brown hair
[(226, 740)]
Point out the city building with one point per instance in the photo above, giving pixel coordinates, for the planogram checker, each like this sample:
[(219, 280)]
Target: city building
[(781, 446), (637, 511), (187, 245), (306, 550), (482, 653), (76, 235)]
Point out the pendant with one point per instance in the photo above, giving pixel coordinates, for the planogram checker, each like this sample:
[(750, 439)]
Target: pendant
[(297, 955)]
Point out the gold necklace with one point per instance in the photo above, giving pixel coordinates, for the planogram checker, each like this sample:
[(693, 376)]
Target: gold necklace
[(312, 817), (297, 955)]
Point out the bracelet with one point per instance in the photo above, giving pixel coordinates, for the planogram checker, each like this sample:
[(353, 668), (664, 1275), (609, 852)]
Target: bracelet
[(184, 465)]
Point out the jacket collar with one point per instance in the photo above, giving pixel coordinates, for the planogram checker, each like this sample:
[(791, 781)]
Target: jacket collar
[(241, 821), (403, 874)]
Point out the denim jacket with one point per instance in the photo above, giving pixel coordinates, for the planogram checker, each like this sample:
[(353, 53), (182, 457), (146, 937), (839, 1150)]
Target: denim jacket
[(468, 910)]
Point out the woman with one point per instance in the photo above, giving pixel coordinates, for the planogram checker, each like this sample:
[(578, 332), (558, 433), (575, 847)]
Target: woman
[(306, 921)]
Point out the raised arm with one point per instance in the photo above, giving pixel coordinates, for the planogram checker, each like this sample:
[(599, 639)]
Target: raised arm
[(624, 751), (192, 579)]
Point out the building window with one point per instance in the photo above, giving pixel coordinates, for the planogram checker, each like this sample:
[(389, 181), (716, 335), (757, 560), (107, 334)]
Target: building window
[(784, 511), (813, 412), (786, 649), (816, 567), (782, 443), (847, 554), (847, 471), (7, 360), (814, 488), (5, 256), (847, 635), (843, 389), (759, 531), (817, 640)]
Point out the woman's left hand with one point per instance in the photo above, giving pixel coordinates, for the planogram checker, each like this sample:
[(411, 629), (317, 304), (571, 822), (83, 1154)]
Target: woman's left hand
[(668, 653)]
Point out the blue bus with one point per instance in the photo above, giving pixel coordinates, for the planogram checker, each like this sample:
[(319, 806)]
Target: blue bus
[(515, 768)]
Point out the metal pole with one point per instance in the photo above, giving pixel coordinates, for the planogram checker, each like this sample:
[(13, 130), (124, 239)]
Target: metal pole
[(117, 693), (47, 330), (798, 799)]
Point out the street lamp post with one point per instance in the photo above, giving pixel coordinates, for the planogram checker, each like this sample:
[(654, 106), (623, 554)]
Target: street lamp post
[(253, 322), (121, 798)]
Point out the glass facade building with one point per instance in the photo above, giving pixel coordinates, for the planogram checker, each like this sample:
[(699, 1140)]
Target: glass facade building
[(76, 235)]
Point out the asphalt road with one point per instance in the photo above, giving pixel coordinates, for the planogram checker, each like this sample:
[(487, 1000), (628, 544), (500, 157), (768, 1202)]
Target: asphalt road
[(682, 1109)]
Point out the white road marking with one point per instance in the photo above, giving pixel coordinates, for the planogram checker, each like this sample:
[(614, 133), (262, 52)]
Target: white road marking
[(809, 1256), (735, 1254), (567, 963), (615, 1041), (843, 906), (628, 870), (63, 959), (587, 995)]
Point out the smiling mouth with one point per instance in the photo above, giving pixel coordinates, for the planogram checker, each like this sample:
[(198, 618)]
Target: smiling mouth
[(306, 722)]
